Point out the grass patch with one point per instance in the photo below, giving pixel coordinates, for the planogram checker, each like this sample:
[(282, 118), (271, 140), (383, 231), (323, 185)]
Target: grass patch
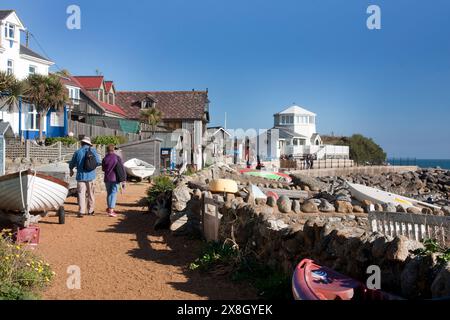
[(22, 274), (269, 282), (431, 246)]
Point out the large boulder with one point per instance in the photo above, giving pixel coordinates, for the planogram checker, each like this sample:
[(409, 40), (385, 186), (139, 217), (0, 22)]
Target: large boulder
[(389, 207), (440, 287), (180, 197), (343, 207), (326, 206), (310, 207), (284, 204), (399, 249), (310, 182), (296, 206)]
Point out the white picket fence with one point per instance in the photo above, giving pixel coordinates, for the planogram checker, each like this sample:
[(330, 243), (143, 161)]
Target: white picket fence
[(413, 226)]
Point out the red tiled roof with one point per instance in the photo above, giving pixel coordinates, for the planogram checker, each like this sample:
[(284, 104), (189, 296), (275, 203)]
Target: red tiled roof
[(112, 108), (90, 82), (108, 85), (174, 105)]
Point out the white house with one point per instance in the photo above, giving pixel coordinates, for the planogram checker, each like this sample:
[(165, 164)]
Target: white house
[(294, 134), (20, 61)]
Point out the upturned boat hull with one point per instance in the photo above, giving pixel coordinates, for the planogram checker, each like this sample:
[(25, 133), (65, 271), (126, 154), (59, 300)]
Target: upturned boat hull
[(138, 168), (31, 192)]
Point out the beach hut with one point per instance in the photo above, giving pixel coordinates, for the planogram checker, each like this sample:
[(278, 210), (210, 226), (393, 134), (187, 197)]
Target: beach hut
[(5, 133)]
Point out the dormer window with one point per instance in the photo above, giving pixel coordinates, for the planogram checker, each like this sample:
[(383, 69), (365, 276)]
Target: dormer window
[(148, 103), (10, 31), (10, 67)]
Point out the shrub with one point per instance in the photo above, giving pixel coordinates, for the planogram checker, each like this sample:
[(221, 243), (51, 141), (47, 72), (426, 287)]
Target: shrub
[(107, 140), (161, 184), (22, 274), (67, 141)]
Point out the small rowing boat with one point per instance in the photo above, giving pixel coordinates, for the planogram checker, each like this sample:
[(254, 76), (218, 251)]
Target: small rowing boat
[(314, 282), (361, 193), (277, 176), (139, 168), (31, 192)]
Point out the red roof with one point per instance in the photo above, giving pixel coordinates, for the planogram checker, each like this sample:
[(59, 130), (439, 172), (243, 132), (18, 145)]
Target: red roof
[(108, 85), (112, 108), (90, 82)]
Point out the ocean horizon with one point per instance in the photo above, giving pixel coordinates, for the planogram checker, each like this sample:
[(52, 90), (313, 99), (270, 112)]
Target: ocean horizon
[(422, 163)]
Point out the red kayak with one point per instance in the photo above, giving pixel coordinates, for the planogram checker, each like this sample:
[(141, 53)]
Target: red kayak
[(314, 282)]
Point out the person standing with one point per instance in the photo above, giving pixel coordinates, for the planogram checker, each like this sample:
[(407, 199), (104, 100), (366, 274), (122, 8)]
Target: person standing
[(115, 174), (85, 160)]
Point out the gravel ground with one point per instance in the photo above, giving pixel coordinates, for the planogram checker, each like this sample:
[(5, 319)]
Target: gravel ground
[(124, 258)]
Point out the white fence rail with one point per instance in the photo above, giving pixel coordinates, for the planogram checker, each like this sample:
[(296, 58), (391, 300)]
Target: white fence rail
[(413, 226), (322, 152)]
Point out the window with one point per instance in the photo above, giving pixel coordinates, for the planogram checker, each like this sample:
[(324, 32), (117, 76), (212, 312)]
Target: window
[(10, 31), (31, 70), (74, 95), (57, 119), (10, 67), (32, 118), (147, 103)]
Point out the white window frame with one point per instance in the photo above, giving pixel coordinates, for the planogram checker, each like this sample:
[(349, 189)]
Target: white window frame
[(29, 69), (9, 27), (33, 113), (10, 69)]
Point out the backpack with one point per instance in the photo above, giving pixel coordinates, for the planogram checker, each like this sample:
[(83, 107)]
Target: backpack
[(119, 170), (90, 161)]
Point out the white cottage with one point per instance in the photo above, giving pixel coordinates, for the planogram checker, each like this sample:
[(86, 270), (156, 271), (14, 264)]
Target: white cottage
[(20, 61), (294, 134)]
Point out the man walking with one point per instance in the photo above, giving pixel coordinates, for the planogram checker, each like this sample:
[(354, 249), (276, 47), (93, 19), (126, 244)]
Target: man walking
[(85, 160)]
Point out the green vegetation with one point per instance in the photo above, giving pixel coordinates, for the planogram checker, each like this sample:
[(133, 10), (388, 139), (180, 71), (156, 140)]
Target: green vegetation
[(363, 150), (107, 140), (152, 116), (22, 275), (66, 141), (161, 184), (269, 282), (431, 246)]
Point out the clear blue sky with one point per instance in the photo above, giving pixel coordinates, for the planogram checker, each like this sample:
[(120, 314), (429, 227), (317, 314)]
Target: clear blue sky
[(257, 57)]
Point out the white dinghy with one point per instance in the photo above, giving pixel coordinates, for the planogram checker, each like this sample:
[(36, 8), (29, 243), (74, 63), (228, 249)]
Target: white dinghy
[(29, 192), (138, 168), (361, 193)]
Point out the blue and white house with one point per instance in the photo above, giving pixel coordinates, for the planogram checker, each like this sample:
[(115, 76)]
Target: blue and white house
[(21, 61)]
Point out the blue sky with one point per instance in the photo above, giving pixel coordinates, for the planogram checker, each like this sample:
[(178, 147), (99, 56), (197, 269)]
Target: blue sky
[(257, 57)]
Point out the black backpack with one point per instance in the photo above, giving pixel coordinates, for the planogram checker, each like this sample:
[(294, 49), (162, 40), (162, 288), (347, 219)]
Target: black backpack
[(90, 161), (119, 170)]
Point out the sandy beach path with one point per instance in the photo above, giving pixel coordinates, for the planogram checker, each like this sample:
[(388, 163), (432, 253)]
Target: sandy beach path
[(124, 258)]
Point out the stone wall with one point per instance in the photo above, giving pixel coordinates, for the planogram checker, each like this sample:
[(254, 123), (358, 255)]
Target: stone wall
[(281, 233), (372, 170)]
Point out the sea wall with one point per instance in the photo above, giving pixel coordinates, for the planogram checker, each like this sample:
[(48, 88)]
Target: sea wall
[(368, 170), (281, 233)]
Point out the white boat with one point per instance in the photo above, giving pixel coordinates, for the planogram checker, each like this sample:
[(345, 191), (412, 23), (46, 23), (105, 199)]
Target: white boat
[(138, 168), (361, 193), (27, 192)]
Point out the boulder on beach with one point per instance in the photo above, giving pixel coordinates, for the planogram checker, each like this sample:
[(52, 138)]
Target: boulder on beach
[(343, 207), (284, 204), (313, 184), (310, 207)]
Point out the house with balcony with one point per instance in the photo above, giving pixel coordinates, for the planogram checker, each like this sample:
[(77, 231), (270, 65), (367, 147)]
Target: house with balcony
[(21, 61), (185, 112), (294, 135)]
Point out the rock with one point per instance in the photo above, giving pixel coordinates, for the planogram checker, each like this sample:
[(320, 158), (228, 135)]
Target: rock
[(415, 278), (378, 207), (309, 207), (358, 209), (400, 209), (325, 206), (379, 247), (446, 210), (414, 210), (312, 183), (343, 207), (180, 197), (399, 248), (284, 204), (305, 188), (296, 206), (389, 207), (427, 211), (271, 202), (440, 287), (260, 201)]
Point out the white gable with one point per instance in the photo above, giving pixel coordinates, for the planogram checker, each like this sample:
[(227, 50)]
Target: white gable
[(297, 110), (14, 19)]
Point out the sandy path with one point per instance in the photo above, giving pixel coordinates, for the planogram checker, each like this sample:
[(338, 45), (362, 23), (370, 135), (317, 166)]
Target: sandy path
[(124, 258)]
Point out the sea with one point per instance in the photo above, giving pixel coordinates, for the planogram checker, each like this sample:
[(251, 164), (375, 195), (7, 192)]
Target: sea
[(422, 163)]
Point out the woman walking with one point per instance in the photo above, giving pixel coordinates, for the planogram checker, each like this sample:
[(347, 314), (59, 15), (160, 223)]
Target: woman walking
[(112, 165)]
